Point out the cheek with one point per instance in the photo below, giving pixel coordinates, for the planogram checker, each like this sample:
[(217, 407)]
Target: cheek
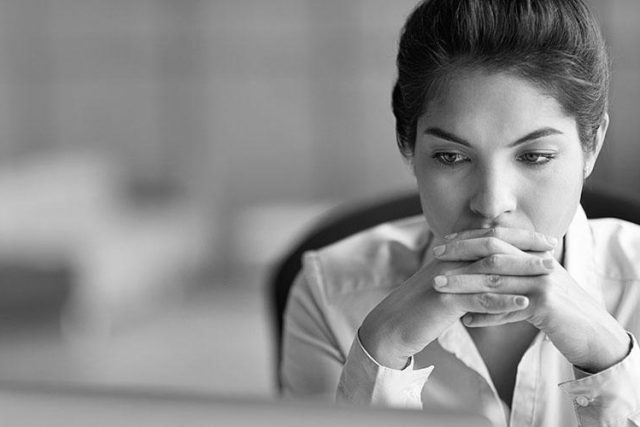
[(442, 201), (556, 199)]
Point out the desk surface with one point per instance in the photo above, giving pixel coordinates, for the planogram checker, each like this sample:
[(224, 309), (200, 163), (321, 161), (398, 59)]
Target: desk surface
[(178, 347)]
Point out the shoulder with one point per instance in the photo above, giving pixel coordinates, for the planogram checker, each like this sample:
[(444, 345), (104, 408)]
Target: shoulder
[(617, 248), (339, 284), (375, 259)]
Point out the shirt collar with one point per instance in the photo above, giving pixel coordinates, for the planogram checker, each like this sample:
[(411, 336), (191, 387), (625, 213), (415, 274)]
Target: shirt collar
[(579, 258)]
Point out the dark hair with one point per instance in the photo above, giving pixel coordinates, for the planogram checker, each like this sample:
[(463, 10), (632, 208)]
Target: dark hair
[(555, 44)]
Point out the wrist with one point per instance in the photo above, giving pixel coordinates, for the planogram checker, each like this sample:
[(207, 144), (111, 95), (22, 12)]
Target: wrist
[(381, 352), (608, 353)]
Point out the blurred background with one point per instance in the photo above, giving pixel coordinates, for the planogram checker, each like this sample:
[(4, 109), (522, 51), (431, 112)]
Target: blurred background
[(157, 157)]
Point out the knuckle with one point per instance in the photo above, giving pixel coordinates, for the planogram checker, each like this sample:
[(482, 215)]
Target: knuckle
[(486, 301), (492, 261), (492, 244), (493, 281), (454, 246), (535, 263)]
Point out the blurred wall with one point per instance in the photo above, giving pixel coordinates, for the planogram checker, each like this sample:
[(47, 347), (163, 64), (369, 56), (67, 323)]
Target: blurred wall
[(237, 104), (619, 159)]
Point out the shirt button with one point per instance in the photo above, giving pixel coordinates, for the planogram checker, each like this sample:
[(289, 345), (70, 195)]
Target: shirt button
[(582, 401)]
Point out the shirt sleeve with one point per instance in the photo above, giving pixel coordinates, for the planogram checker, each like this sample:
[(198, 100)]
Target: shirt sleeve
[(365, 382), (313, 365), (610, 397), (311, 359)]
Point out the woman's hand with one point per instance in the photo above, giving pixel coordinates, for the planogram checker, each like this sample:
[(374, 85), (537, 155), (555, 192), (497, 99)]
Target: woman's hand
[(415, 314), (581, 328)]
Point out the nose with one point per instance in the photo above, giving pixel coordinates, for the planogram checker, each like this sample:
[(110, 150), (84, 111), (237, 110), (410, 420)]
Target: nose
[(494, 194)]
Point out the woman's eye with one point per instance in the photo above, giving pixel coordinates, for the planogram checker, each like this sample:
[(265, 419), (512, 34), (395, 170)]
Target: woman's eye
[(450, 159), (536, 159)]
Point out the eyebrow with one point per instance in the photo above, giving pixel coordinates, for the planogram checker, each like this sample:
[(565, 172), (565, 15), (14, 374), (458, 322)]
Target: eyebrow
[(536, 134)]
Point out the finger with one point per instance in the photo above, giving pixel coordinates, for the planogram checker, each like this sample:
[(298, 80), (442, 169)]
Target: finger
[(478, 320), (473, 249), (510, 265), (485, 302), (526, 240), (477, 283)]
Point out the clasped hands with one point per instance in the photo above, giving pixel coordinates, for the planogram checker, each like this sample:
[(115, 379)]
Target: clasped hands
[(491, 277)]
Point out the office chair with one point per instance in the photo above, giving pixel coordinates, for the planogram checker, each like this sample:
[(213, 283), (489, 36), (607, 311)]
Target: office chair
[(347, 220)]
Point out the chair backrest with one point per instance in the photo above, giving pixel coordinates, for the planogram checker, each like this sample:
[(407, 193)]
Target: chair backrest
[(347, 220)]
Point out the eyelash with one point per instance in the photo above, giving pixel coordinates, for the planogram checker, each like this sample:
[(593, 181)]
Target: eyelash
[(461, 158), (546, 158), (440, 159)]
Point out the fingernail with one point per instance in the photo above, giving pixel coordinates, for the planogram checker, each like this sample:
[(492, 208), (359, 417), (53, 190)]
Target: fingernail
[(548, 263), (467, 319), (450, 236), (552, 240), (522, 301), (439, 250), (440, 281)]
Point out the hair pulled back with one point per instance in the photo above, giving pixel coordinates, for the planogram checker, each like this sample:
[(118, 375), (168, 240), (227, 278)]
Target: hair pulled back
[(555, 44)]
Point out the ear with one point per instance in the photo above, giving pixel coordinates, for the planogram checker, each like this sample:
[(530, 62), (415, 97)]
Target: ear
[(591, 156)]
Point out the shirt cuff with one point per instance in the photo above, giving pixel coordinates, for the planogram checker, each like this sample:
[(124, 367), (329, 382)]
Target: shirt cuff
[(610, 397), (365, 382)]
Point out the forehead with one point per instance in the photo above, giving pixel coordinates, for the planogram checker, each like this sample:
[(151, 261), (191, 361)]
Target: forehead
[(503, 102)]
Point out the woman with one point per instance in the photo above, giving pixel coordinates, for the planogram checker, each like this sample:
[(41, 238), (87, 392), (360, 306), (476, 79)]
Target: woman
[(506, 301)]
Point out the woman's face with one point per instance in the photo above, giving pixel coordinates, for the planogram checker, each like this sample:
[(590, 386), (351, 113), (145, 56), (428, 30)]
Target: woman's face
[(494, 150)]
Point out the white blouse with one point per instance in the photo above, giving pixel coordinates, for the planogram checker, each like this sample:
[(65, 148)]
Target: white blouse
[(341, 283)]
